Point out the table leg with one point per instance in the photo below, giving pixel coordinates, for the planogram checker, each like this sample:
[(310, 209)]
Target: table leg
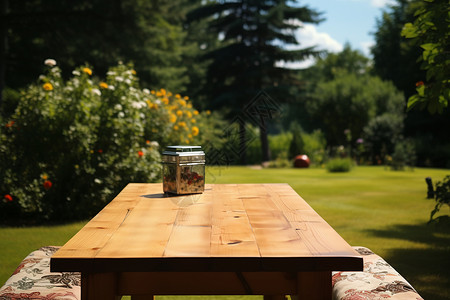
[(99, 286), (314, 286)]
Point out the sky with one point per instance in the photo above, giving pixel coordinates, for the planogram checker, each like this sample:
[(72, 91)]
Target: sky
[(346, 21)]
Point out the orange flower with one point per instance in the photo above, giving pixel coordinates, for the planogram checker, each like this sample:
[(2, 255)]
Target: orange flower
[(8, 198), (140, 153), (419, 83), (87, 71), (195, 131), (48, 86), (47, 184), (103, 85), (9, 124)]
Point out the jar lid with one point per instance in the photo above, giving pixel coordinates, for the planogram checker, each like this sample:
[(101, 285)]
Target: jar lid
[(183, 150)]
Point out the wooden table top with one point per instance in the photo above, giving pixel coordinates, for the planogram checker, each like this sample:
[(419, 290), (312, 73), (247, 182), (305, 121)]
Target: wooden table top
[(230, 227)]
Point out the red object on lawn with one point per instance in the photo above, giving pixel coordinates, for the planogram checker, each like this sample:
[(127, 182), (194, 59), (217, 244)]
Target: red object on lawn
[(301, 161)]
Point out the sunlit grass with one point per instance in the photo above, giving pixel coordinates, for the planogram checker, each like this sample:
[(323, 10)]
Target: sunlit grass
[(384, 210)]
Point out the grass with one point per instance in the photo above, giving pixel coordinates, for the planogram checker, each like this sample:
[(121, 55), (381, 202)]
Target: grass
[(383, 210)]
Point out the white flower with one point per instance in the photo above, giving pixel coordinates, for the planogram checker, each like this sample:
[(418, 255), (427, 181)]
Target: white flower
[(154, 144), (136, 104), (119, 78), (42, 77), (50, 62), (118, 107), (121, 115), (146, 91), (111, 87), (111, 73), (96, 92), (76, 73), (157, 101), (127, 81), (142, 116)]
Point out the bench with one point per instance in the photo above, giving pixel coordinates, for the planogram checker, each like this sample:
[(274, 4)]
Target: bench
[(33, 280), (379, 280)]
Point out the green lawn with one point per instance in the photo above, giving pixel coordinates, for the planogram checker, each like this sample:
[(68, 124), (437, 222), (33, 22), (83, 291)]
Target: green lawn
[(374, 207)]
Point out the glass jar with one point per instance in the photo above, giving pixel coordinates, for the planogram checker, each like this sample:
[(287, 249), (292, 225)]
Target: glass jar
[(183, 170)]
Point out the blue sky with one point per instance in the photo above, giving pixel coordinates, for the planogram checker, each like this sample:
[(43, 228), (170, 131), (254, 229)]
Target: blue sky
[(350, 21)]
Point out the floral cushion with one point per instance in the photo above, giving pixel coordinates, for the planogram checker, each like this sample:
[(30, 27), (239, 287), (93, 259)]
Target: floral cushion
[(33, 280), (378, 281)]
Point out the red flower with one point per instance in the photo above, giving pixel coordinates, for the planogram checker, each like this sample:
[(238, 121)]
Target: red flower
[(9, 124), (8, 198), (47, 184), (140, 153), (419, 83), (100, 151)]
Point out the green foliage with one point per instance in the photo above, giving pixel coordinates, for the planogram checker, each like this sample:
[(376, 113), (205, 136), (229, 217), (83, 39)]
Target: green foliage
[(349, 102), (404, 155), (296, 146), (381, 135), (335, 165), (442, 197), (431, 31), (315, 146), (71, 145)]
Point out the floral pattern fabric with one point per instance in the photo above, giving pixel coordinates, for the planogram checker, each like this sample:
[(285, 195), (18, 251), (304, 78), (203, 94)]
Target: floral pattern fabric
[(379, 280), (33, 280)]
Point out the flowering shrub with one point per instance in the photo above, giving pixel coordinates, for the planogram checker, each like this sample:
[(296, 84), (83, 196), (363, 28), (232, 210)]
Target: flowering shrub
[(71, 145)]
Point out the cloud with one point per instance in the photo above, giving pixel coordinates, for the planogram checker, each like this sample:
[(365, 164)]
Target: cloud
[(365, 46), (381, 3), (308, 36)]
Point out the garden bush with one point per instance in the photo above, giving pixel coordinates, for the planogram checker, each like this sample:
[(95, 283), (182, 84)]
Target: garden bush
[(71, 145), (339, 165)]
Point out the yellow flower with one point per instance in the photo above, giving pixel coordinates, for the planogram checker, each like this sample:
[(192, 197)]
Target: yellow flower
[(163, 92), (169, 94), (87, 71), (173, 118), (193, 121), (182, 102), (187, 141), (195, 112), (133, 72), (158, 94), (208, 112), (165, 100), (178, 96), (189, 105), (175, 127), (179, 113), (189, 114), (48, 86), (152, 92), (186, 98), (190, 136), (182, 124), (195, 131), (103, 85)]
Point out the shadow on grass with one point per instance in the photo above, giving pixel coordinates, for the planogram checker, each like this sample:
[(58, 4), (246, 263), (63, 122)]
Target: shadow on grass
[(426, 267)]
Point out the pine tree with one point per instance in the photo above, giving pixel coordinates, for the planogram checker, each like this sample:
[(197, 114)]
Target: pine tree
[(254, 36)]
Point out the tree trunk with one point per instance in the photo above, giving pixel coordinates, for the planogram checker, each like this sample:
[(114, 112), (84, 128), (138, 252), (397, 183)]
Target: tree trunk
[(242, 144), (264, 140)]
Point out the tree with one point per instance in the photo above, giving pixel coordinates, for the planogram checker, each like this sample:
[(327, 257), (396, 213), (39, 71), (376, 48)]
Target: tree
[(431, 31), (100, 32), (349, 102), (254, 35), (395, 59)]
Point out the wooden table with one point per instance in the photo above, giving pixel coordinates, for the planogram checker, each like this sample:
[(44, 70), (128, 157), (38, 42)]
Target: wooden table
[(234, 239)]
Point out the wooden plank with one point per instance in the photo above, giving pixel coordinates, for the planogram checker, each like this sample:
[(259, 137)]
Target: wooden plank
[(231, 234), (274, 234)]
